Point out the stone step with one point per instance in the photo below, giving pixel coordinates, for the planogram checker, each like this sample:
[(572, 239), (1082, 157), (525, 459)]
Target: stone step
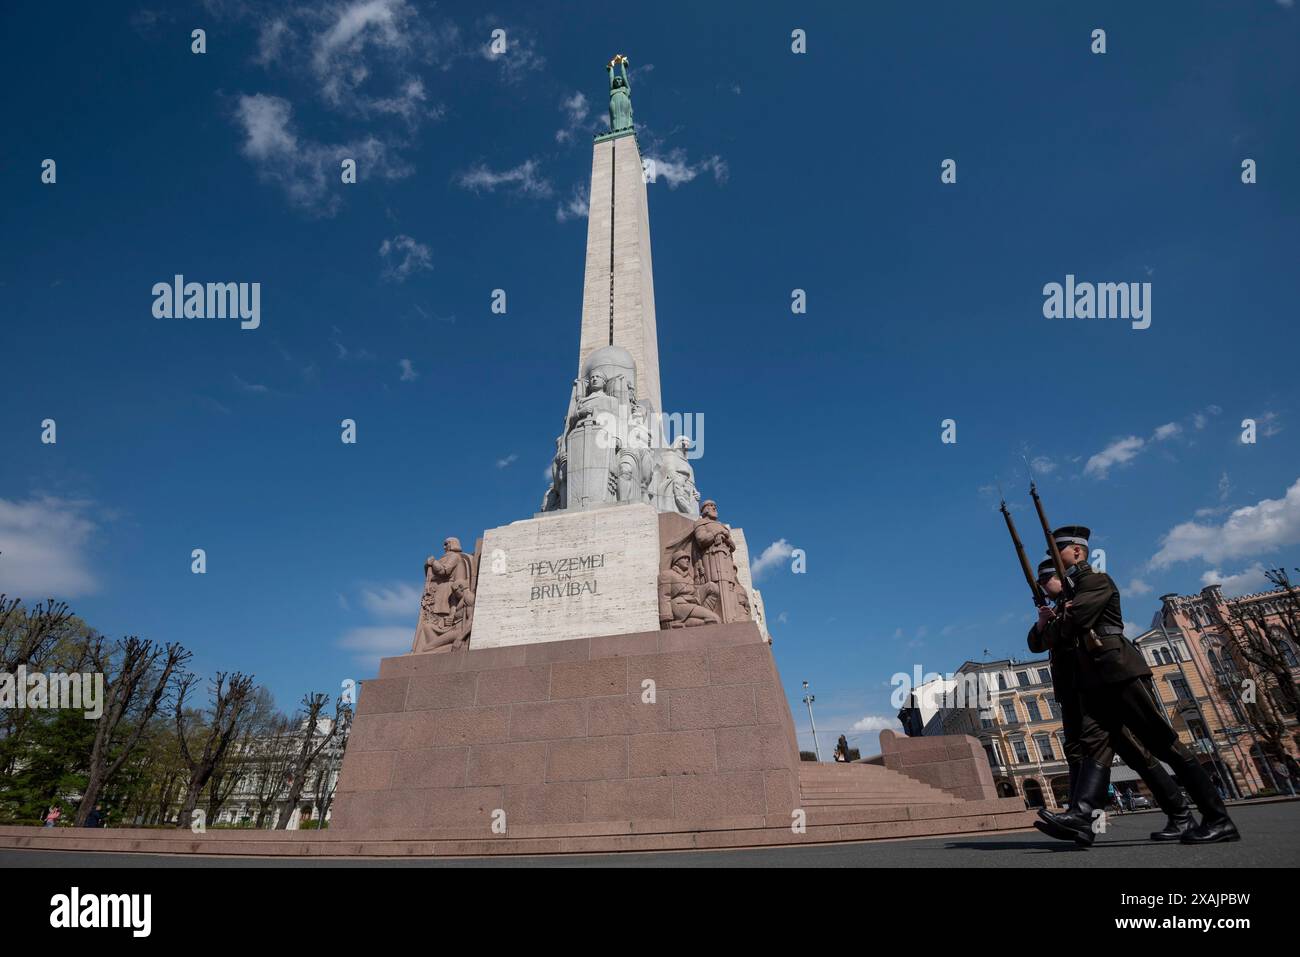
[(823, 826), (864, 784)]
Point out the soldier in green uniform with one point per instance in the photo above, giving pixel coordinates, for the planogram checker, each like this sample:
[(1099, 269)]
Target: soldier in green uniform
[(1085, 738), (1115, 690)]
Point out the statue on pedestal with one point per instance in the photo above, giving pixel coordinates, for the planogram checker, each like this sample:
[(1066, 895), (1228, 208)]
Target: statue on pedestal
[(620, 96), (447, 605)]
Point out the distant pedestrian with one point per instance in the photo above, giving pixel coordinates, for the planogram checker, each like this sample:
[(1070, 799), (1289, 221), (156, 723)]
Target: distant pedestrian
[(52, 816), (95, 818)]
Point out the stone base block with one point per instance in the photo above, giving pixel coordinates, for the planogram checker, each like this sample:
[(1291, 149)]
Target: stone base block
[(680, 726)]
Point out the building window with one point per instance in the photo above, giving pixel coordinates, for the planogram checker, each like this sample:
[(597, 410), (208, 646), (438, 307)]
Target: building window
[(1009, 712), (1035, 713), (1023, 678), (1002, 681), (1181, 690), (1022, 752), (1044, 744), (1285, 648)]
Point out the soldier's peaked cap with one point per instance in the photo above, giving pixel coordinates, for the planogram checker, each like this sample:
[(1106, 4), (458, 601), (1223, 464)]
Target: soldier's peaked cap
[(1072, 535), (1045, 567)]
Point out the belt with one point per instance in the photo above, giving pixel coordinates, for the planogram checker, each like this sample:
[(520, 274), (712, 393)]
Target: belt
[(1105, 630)]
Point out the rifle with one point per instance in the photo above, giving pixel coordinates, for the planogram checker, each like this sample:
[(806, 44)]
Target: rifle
[(1040, 599), (1058, 563)]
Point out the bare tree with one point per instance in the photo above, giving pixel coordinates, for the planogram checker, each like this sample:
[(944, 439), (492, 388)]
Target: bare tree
[(42, 638), (235, 766), (133, 693), (328, 778), (231, 696), (29, 636), (313, 705), (1258, 640), (273, 761)]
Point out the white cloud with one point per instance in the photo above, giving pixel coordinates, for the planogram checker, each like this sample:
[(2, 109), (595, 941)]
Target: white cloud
[(403, 256), (1138, 587), (1264, 527), (395, 600), (1268, 425), (508, 461), (250, 388), (1201, 419), (375, 43), (522, 179), (44, 548), (783, 619), (1243, 583), (376, 641), (520, 56), (1225, 487), (773, 555), (674, 169), (408, 371), (1167, 431), (575, 208), (1117, 453), (577, 115), (392, 602), (1042, 465), (876, 722), (305, 169), (1132, 630)]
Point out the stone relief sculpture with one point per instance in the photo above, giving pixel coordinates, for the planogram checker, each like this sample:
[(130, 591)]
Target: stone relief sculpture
[(676, 489), (679, 600), (447, 605), (611, 451), (715, 575)]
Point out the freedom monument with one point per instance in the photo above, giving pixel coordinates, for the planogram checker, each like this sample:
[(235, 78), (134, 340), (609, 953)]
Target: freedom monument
[(599, 675)]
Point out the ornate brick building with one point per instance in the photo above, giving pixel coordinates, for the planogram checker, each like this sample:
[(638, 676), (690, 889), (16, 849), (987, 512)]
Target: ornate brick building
[(1226, 669)]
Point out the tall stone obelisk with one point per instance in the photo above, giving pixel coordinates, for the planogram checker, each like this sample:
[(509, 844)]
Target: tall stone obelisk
[(618, 293)]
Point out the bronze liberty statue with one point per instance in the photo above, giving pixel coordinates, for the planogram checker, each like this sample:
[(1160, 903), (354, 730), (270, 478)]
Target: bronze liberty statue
[(620, 96)]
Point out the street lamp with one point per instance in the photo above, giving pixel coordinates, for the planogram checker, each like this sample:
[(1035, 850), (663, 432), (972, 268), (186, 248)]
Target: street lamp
[(808, 699)]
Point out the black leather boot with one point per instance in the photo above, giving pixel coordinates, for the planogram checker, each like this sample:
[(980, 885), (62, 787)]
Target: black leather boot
[(1074, 786), (1215, 824), (1076, 822), (1170, 798)]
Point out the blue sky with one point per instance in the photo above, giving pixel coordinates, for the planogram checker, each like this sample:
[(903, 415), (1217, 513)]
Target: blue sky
[(778, 171)]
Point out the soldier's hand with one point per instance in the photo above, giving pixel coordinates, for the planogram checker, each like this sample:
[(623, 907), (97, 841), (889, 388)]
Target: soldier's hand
[(1045, 614)]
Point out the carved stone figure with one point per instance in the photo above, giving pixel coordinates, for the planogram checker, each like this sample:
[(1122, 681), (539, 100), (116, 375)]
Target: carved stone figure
[(447, 605), (611, 450), (620, 96), (555, 492), (714, 548), (676, 483), (716, 576), (679, 600)]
